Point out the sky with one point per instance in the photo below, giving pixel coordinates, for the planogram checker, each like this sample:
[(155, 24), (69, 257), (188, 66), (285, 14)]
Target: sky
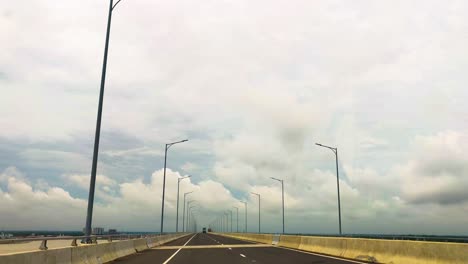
[(253, 85)]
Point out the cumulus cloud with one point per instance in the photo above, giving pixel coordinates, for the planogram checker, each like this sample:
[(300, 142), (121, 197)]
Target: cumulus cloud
[(253, 93), (439, 172), (134, 206), (82, 181)]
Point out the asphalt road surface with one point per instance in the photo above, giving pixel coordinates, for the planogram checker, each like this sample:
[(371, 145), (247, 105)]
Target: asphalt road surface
[(209, 248)]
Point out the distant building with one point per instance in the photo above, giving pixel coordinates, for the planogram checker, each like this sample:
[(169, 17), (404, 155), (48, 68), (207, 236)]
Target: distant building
[(5, 236), (98, 231), (112, 231)]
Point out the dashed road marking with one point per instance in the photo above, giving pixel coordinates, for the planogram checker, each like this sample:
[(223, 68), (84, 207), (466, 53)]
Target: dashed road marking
[(242, 255)]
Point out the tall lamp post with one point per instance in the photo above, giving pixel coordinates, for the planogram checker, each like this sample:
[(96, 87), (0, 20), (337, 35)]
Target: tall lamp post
[(245, 216), (178, 187), (282, 191), (230, 211), (335, 150), (168, 145), (222, 223), (227, 221), (189, 218), (183, 218), (188, 207), (258, 210), (237, 218), (92, 182)]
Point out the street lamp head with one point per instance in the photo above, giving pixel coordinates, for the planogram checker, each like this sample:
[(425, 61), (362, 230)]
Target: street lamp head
[(318, 144), (276, 179), (175, 142), (185, 177)]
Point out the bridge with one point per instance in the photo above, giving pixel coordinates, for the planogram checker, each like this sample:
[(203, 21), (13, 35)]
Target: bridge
[(227, 248), (210, 248)]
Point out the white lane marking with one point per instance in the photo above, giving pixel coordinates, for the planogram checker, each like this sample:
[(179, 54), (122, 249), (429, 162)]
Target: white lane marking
[(325, 256), (173, 255), (213, 239), (230, 248), (242, 255)]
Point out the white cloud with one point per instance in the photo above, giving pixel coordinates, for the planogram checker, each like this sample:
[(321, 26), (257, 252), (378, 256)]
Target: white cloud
[(190, 167), (82, 181), (54, 159), (136, 151), (253, 84), (439, 171)]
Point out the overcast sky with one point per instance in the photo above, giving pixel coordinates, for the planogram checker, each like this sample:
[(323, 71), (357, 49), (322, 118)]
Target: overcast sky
[(252, 85)]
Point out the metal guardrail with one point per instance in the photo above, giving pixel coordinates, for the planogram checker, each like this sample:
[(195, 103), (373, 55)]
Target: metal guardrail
[(93, 239)]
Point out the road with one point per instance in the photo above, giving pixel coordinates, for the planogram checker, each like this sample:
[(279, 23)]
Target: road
[(209, 248)]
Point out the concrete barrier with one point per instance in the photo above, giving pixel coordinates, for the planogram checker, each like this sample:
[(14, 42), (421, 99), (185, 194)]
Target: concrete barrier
[(260, 238), (56, 256), (87, 254), (140, 244), (289, 241), (371, 250)]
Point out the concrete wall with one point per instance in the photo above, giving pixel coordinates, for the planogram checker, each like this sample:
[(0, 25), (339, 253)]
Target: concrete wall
[(372, 250), (88, 254)]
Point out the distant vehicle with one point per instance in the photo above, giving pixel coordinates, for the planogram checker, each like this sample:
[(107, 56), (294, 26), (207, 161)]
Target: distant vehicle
[(204, 230), (209, 230)]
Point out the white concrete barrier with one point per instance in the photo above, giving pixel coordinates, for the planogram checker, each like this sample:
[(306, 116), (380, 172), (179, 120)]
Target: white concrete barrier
[(371, 250), (87, 254)]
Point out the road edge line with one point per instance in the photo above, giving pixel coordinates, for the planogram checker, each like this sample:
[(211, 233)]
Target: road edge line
[(321, 255)]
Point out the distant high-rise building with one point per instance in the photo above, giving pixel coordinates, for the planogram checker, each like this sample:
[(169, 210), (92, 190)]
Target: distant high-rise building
[(112, 231), (98, 231)]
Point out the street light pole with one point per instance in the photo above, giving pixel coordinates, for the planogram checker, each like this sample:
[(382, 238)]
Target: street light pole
[(227, 221), (223, 223), (282, 195), (178, 186), (335, 150), (183, 218), (164, 181), (258, 210), (92, 182), (237, 218), (189, 218), (245, 216), (230, 211), (188, 206)]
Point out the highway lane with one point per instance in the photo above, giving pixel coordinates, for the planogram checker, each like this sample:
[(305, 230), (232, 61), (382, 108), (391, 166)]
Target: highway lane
[(209, 248)]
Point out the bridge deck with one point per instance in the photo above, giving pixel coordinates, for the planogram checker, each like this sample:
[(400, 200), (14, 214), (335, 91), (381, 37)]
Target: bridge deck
[(209, 248)]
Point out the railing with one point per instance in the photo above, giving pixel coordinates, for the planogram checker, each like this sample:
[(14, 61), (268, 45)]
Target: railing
[(92, 239)]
